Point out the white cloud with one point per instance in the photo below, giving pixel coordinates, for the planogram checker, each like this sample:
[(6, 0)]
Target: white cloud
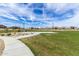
[(8, 8)]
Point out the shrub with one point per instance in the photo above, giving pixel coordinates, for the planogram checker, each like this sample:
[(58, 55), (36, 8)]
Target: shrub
[(8, 34), (2, 34)]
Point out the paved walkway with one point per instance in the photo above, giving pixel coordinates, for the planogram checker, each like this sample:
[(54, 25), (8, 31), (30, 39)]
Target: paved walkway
[(14, 47)]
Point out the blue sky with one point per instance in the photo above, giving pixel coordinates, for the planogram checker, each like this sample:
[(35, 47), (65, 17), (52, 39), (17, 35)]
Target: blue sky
[(39, 14)]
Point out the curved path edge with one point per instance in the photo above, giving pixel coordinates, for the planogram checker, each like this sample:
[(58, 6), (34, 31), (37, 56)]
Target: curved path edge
[(14, 47)]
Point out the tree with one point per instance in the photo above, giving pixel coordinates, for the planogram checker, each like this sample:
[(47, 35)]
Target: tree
[(72, 27)]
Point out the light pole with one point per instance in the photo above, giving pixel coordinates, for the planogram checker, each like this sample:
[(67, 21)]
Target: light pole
[(24, 24), (53, 24)]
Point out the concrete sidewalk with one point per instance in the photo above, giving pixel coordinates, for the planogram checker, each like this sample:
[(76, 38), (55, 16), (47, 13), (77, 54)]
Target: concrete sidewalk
[(14, 47)]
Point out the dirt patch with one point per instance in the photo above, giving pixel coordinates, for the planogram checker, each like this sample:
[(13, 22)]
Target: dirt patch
[(2, 46)]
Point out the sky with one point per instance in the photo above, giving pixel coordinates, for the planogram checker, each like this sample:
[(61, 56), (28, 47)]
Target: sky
[(39, 14)]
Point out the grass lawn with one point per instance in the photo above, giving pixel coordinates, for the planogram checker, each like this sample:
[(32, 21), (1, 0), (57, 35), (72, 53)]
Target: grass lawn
[(49, 30), (59, 44), (39, 30)]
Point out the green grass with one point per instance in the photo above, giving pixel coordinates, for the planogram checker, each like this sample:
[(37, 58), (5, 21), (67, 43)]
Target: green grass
[(39, 30), (59, 44), (50, 30)]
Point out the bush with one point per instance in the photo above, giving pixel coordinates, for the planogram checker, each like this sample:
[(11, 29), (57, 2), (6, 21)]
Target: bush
[(8, 34), (2, 34)]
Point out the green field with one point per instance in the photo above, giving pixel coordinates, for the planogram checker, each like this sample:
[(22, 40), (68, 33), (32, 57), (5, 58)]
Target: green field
[(64, 43), (50, 30)]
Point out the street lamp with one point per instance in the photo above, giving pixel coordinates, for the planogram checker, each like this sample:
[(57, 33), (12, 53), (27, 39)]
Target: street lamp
[(24, 24)]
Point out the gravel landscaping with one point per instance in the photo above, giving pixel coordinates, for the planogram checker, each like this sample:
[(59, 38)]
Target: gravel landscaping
[(2, 46)]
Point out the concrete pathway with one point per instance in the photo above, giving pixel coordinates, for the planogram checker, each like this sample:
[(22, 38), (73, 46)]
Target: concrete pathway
[(14, 47)]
